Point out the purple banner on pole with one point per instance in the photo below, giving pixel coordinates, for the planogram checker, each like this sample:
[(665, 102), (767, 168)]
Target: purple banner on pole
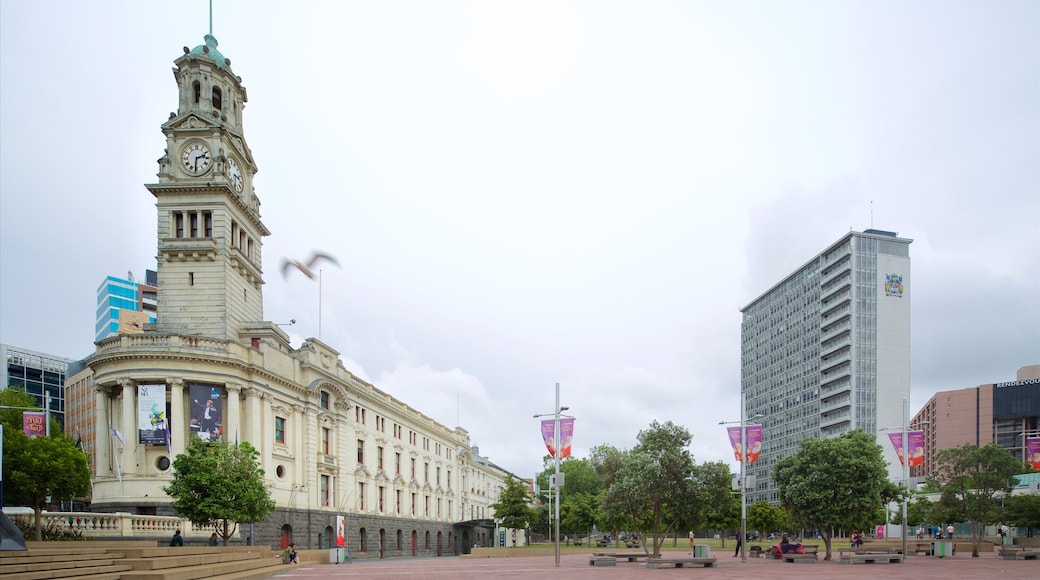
[(34, 424), (752, 441), (548, 428), (1033, 452), (566, 435), (915, 441)]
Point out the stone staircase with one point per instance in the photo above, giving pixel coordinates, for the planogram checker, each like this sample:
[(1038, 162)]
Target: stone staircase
[(138, 560)]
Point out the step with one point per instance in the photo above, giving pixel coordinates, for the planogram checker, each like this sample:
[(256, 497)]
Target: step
[(90, 572), (209, 558), (197, 572)]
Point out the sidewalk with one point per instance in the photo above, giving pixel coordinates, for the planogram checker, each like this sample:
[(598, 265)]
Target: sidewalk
[(577, 566)]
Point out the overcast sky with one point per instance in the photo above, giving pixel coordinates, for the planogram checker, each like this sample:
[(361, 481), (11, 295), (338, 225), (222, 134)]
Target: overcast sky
[(521, 194)]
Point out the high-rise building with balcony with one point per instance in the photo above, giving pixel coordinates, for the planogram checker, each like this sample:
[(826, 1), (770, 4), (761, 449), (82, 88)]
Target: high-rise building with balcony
[(827, 350)]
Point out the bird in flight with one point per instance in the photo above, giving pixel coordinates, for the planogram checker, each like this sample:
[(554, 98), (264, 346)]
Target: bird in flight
[(308, 267)]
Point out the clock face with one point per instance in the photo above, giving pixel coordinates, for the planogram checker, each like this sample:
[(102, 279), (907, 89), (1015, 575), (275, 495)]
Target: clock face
[(235, 174), (195, 158)]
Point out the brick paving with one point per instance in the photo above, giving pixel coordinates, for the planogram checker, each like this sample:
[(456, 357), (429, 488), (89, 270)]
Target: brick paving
[(576, 566)]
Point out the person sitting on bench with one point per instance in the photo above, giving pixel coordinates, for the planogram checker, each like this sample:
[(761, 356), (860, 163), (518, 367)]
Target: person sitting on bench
[(788, 548)]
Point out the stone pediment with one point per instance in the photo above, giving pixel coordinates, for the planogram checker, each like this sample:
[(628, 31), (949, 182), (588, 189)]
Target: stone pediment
[(188, 122)]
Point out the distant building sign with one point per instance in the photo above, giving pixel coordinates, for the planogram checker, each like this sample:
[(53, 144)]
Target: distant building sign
[(1017, 383), (894, 285)]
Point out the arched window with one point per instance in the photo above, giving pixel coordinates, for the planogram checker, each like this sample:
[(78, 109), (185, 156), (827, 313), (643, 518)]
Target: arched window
[(286, 536), (400, 540), (426, 545), (217, 101), (362, 537), (330, 538), (197, 88)]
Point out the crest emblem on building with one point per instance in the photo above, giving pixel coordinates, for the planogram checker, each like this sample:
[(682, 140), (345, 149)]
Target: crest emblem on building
[(894, 285)]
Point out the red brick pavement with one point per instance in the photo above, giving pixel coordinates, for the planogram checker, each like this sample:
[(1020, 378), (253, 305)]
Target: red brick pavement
[(987, 566)]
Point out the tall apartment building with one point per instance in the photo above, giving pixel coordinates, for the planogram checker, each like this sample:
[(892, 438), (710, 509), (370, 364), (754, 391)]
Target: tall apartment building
[(1004, 413), (827, 350), (125, 305), (211, 367), (40, 374)]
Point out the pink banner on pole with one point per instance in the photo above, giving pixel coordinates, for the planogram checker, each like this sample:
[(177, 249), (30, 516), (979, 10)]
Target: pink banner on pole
[(1033, 452), (34, 424), (915, 441), (752, 441), (566, 435)]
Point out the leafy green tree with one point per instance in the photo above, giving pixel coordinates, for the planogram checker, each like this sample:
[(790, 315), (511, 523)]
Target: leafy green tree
[(836, 483), (766, 518), (1023, 511), (579, 513), (919, 512), (976, 475), (655, 481), (40, 467), (513, 507), (712, 500), (219, 483)]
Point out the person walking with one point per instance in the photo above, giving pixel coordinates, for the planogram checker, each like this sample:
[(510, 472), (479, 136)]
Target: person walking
[(740, 542), (949, 532), (177, 539)]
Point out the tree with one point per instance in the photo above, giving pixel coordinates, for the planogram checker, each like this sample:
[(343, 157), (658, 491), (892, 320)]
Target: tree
[(976, 475), (919, 512), (1023, 511), (39, 467), (654, 482), (219, 483), (513, 507), (579, 513), (836, 483), (713, 498), (765, 517)]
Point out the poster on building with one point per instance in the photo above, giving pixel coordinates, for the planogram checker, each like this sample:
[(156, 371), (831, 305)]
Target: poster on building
[(341, 531), (915, 442), (1033, 452), (566, 436), (34, 424), (206, 420), (151, 414), (752, 440)]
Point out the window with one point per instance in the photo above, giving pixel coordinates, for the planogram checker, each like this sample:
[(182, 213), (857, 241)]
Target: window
[(397, 506), (361, 451), (361, 497), (426, 502), (279, 430), (438, 476), (324, 399), (413, 468), (426, 473), (326, 440), (363, 537), (413, 504), (197, 91), (325, 490), (382, 498), (397, 464), (217, 101), (379, 458), (449, 481)]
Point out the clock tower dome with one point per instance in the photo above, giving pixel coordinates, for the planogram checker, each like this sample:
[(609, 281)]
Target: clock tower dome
[(210, 274)]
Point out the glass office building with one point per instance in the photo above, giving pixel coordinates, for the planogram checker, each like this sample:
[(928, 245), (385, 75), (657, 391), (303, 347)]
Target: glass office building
[(116, 297), (827, 350), (40, 374)]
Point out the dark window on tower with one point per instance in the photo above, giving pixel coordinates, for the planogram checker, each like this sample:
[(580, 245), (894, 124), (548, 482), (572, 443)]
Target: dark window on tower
[(197, 87), (216, 98)]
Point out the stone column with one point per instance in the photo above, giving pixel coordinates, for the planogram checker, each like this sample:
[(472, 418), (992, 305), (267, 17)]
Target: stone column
[(299, 450), (178, 418), (233, 419), (102, 434), (128, 421), (255, 418)]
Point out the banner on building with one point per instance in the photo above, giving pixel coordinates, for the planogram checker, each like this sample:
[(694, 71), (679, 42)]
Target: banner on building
[(752, 441), (1033, 452), (206, 407), (915, 443), (566, 436), (34, 424), (341, 531), (151, 414)]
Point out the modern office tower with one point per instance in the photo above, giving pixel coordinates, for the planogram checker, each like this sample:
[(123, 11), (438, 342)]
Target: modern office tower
[(40, 374), (125, 305), (827, 350), (1005, 413), (211, 368)]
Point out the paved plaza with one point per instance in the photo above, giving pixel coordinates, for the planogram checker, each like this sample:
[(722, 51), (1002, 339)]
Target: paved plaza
[(576, 566)]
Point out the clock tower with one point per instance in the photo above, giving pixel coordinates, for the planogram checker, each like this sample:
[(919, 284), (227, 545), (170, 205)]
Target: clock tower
[(210, 274)]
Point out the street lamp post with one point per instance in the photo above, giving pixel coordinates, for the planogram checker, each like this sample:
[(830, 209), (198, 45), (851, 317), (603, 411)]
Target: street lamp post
[(555, 484), (906, 469), (743, 478)]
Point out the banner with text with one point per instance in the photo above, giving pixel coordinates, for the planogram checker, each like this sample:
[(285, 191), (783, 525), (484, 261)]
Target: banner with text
[(566, 435), (151, 414), (752, 440), (1033, 452), (915, 442), (34, 424)]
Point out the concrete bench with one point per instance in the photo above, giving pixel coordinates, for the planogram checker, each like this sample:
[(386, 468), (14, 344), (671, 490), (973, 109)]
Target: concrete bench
[(810, 554), (1019, 553), (681, 562), (870, 557), (607, 560)]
